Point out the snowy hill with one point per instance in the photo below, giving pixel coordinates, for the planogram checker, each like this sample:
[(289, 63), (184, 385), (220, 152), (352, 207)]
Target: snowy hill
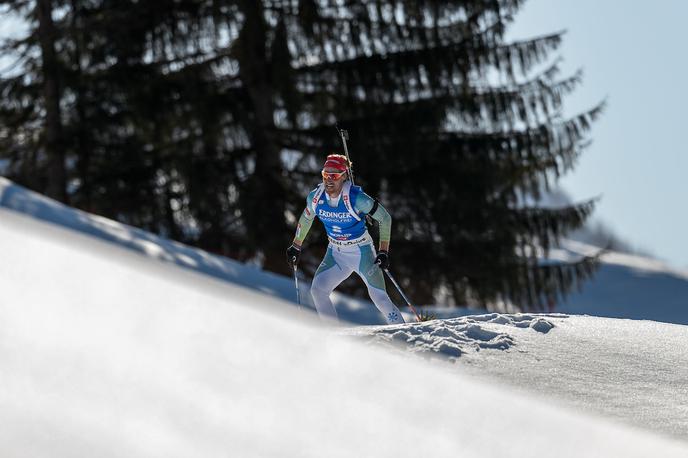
[(21, 200), (107, 351), (634, 371), (629, 286), (626, 286)]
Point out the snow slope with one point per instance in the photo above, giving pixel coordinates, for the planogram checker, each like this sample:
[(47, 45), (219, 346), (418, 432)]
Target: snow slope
[(629, 286), (633, 371), (626, 286), (17, 198), (106, 352)]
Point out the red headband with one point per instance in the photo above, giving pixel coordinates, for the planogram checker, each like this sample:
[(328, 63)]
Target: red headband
[(335, 162)]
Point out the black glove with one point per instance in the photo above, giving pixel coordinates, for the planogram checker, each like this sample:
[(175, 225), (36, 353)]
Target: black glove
[(293, 253), (382, 259)]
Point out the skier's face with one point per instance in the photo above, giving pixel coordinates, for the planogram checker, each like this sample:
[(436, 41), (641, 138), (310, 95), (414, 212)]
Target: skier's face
[(333, 180)]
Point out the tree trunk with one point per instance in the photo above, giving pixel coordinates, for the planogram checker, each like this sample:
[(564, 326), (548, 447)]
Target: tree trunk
[(54, 147), (265, 196), (82, 141)]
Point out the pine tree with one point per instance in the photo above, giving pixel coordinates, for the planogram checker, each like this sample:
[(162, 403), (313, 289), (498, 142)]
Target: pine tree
[(208, 121), (31, 135)]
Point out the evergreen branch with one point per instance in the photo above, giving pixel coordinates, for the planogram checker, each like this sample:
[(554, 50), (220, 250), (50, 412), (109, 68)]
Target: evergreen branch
[(411, 52), (549, 225), (550, 283)]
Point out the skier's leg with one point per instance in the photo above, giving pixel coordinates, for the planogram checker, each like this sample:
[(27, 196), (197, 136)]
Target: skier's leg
[(329, 275), (375, 282)]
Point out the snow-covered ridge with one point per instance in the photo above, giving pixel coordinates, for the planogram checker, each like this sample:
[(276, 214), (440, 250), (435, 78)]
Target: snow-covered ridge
[(625, 287), (455, 337), (109, 353), (22, 200), (571, 250), (628, 286), (19, 199), (634, 371)]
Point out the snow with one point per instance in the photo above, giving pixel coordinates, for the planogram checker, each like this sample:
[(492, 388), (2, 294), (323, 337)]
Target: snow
[(16, 198), (623, 287), (114, 343), (633, 371), (628, 286)]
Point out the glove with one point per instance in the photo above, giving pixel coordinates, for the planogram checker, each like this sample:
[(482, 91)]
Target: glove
[(382, 259), (293, 253)]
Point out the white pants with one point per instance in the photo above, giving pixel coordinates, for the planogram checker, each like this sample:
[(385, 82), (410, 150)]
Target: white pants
[(337, 265)]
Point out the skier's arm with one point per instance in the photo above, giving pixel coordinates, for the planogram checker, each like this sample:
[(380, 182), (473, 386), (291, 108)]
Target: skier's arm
[(365, 205), (305, 222)]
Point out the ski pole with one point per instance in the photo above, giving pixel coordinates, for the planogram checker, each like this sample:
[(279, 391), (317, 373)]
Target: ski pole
[(389, 274), (296, 282), (344, 134)]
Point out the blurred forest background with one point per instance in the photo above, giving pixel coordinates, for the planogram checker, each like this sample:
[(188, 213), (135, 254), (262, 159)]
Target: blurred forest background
[(207, 122)]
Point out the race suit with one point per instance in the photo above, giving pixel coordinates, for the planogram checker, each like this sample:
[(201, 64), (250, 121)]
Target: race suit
[(350, 249)]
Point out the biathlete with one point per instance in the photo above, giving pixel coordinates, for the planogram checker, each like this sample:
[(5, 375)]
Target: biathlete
[(342, 208)]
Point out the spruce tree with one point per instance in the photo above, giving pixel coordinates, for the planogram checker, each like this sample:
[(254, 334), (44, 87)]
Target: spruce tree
[(208, 121)]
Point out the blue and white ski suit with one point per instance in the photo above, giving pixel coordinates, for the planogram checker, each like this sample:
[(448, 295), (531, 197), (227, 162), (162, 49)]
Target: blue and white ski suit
[(350, 249)]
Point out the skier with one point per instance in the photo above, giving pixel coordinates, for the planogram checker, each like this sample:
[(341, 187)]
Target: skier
[(342, 208)]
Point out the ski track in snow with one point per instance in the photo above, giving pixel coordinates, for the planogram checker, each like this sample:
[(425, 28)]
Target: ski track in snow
[(456, 337)]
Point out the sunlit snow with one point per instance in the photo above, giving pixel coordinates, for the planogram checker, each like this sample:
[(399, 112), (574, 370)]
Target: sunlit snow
[(110, 346)]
